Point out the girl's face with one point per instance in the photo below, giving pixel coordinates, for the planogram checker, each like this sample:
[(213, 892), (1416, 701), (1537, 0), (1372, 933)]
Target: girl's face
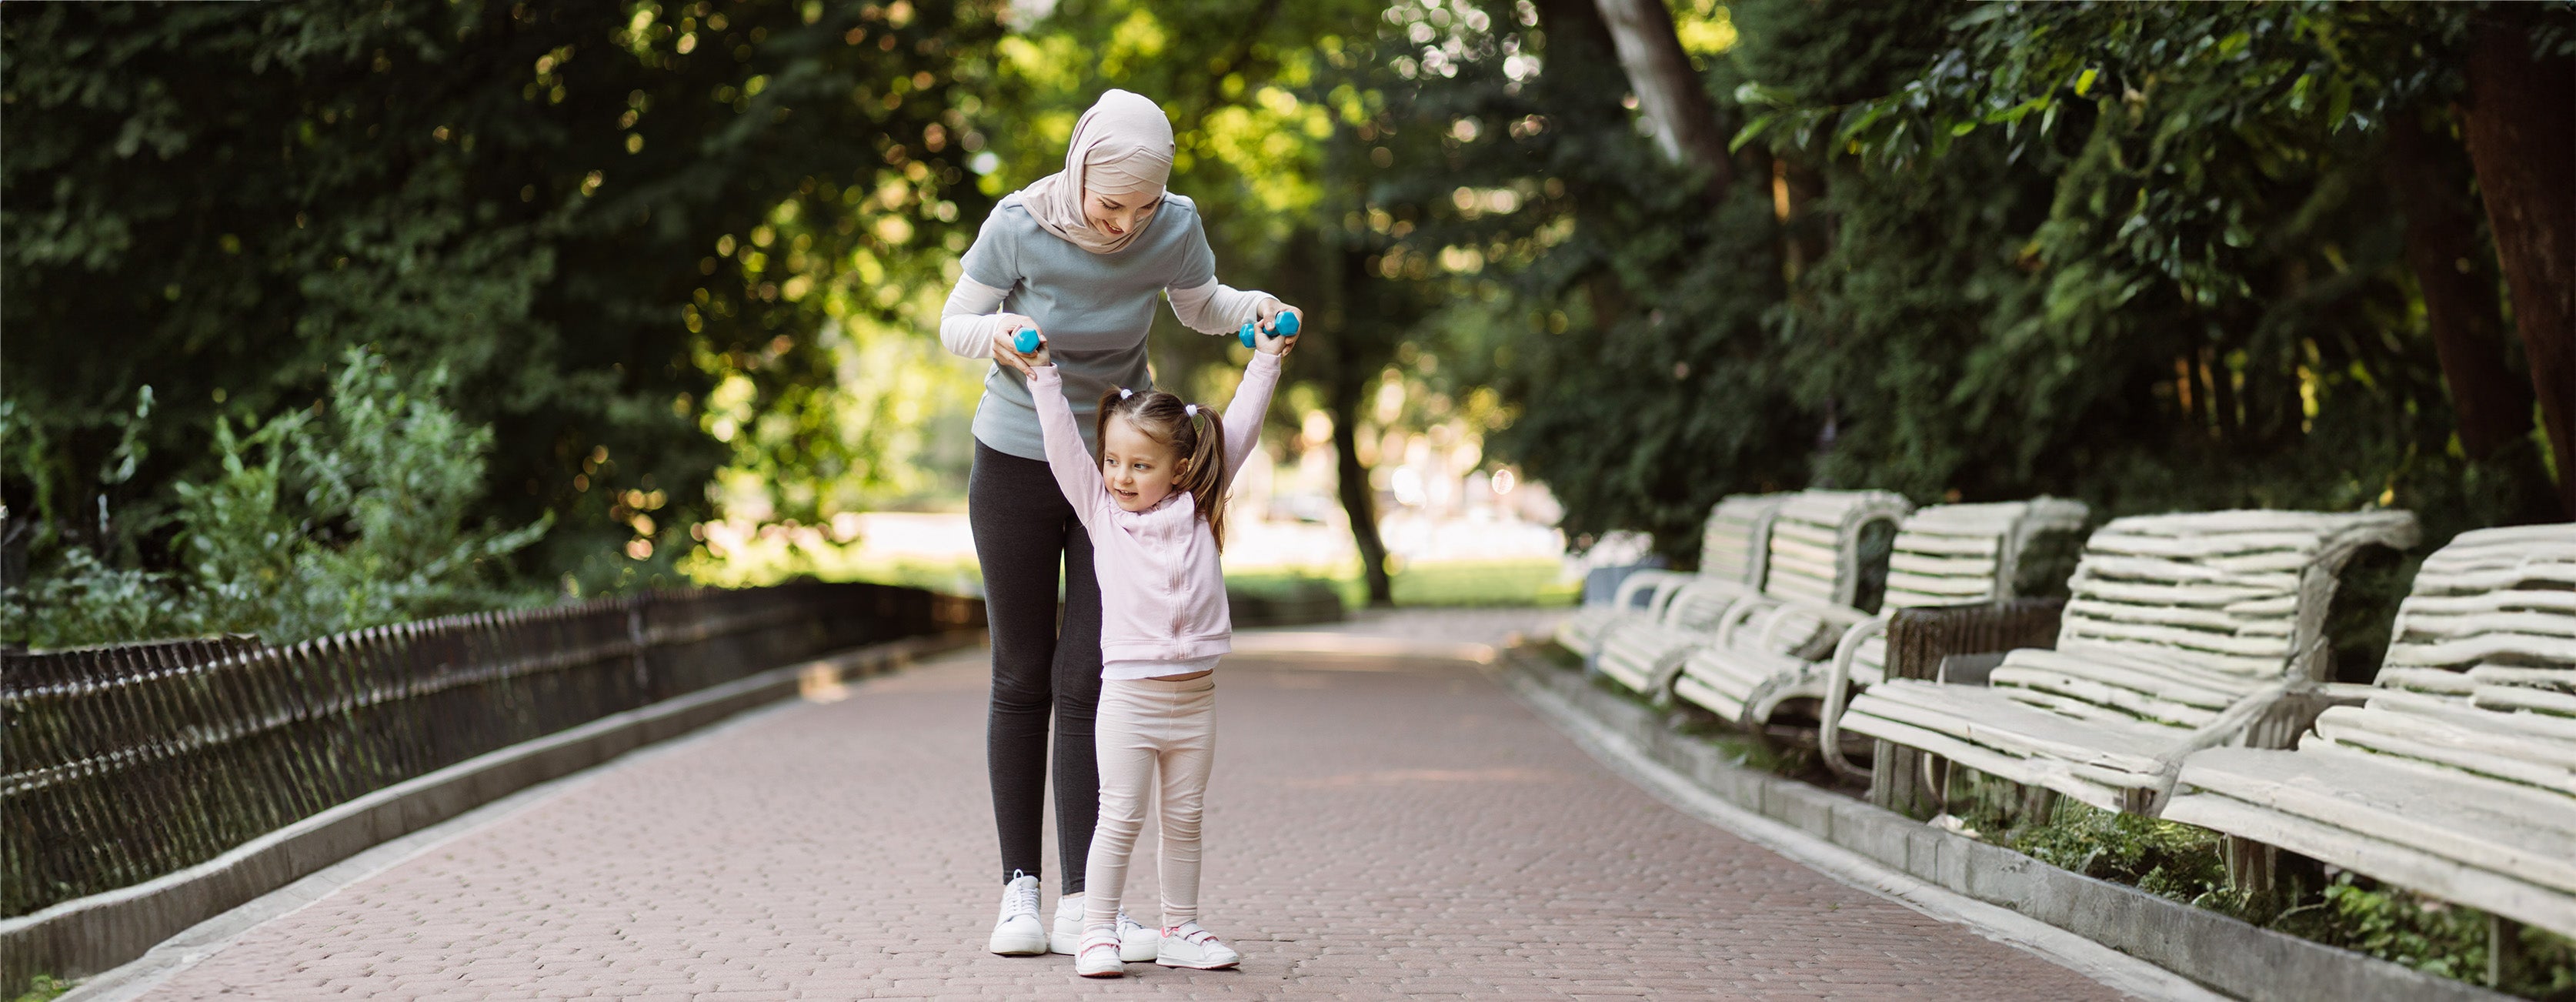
[(1117, 215), (1137, 470)]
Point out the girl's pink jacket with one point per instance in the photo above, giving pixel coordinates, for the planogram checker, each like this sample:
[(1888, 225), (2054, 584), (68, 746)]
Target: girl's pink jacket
[(1162, 593)]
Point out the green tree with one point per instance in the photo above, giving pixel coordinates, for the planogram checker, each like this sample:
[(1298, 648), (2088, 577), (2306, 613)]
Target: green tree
[(2220, 177), (2138, 255), (574, 209), (1262, 95), (352, 514)]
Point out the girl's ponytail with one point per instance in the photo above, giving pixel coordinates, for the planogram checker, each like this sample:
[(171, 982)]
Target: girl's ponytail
[(1206, 477)]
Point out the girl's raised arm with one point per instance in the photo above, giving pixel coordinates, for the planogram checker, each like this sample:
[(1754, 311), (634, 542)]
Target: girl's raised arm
[(1243, 414), (1076, 473)]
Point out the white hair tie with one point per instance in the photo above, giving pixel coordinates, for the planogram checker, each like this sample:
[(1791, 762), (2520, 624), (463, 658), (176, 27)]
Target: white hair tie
[(1190, 409), (1124, 393)]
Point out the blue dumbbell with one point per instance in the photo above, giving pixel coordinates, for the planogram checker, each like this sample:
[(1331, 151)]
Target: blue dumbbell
[(1286, 325), (1026, 340)]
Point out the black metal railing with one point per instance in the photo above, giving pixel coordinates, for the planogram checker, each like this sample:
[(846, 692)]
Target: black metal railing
[(125, 763)]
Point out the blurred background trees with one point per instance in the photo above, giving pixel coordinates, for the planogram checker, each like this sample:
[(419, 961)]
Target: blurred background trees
[(620, 228), (682, 259)]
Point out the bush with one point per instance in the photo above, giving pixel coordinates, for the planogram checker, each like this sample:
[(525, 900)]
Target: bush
[(349, 515)]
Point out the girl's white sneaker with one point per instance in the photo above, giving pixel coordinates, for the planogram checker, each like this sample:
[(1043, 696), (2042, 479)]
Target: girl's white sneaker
[(1136, 940), (1187, 945), (1018, 933), (1098, 957)]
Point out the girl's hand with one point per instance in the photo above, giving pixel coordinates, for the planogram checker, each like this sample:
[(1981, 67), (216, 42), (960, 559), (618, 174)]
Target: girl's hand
[(1007, 352), (1266, 315)]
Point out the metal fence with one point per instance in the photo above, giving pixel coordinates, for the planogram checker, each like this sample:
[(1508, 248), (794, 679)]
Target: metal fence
[(126, 763)]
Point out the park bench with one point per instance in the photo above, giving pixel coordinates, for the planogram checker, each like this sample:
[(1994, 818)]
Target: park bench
[(1734, 543), (2181, 632), (1828, 555), (1943, 555), (1947, 556), (2454, 772), (1642, 653)]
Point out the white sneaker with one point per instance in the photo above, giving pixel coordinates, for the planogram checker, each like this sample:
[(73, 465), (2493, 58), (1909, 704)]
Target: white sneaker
[(1137, 942), (1018, 934), (1098, 957), (1187, 945)]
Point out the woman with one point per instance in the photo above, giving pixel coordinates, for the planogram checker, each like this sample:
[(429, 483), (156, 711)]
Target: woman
[(1080, 256)]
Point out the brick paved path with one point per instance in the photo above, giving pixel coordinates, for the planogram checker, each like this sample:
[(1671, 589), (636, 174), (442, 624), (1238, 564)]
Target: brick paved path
[(1377, 828)]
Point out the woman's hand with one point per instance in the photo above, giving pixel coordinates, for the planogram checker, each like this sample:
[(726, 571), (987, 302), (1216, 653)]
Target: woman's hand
[(1007, 352), (1266, 316)]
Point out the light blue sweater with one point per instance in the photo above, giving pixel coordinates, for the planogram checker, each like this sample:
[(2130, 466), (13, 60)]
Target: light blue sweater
[(1094, 308)]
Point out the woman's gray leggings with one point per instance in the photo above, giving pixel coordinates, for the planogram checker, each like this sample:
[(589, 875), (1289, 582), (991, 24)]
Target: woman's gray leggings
[(1024, 532)]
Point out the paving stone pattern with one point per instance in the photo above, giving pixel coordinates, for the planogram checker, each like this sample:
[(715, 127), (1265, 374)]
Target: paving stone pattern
[(1377, 829)]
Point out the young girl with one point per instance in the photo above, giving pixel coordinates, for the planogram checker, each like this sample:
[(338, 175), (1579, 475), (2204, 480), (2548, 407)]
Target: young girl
[(1154, 507), (1085, 255)]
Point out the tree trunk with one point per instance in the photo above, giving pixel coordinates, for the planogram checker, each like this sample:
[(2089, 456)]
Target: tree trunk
[(1668, 89), (2521, 119), (2492, 406), (1341, 269), (1359, 501)]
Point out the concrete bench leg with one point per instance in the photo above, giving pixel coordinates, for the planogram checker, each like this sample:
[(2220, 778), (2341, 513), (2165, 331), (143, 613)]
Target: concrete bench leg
[(2252, 866), (1897, 782), (2504, 949)]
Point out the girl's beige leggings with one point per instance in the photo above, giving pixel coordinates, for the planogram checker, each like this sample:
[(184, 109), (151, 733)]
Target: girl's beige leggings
[(1145, 725)]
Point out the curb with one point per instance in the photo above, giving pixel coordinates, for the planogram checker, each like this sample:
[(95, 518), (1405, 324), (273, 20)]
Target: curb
[(85, 936), (2228, 955)]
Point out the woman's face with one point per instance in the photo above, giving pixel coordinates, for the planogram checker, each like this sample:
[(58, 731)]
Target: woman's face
[(1119, 215)]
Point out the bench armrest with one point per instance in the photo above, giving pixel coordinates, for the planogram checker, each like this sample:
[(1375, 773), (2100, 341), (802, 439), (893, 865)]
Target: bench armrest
[(1918, 638)]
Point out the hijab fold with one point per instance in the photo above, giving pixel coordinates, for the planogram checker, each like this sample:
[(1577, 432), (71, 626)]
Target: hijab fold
[(1121, 146)]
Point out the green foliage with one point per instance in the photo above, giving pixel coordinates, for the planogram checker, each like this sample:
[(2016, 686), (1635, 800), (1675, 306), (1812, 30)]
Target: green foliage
[(2404, 929), (590, 214), (2163, 858), (2180, 286), (2135, 255), (318, 523), (1577, 275), (2431, 936), (45, 988)]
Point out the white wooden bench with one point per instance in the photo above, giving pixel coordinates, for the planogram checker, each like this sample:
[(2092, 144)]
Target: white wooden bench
[(1827, 552), (1943, 555), (2455, 774), (1734, 546), (2181, 632), (1946, 555)]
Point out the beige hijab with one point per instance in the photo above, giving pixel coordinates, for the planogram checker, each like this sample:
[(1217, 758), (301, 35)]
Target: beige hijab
[(1122, 146)]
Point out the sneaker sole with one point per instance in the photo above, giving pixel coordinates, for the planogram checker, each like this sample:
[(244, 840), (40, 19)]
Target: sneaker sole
[(1103, 974), (1018, 947), (1197, 967), (1066, 946)]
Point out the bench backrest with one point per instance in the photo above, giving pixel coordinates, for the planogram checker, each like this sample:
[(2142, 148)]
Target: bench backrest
[(1831, 547), (2492, 616), (1736, 540), (2239, 594), (1953, 554)]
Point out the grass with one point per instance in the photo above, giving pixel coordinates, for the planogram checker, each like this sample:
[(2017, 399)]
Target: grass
[(1444, 585), (45, 988), (1483, 583)]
